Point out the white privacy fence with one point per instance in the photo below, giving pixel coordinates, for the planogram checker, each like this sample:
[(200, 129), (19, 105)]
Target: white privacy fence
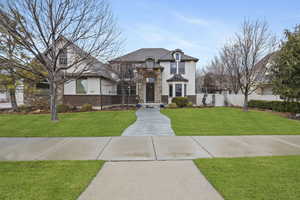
[(5, 100), (232, 99)]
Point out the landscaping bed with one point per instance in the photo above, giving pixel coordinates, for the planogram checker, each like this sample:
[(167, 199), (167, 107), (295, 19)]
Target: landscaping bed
[(268, 178), (46, 180), (229, 121)]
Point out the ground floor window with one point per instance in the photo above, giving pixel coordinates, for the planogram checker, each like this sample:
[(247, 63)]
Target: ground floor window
[(178, 90), (171, 90), (185, 87), (126, 89), (81, 86)]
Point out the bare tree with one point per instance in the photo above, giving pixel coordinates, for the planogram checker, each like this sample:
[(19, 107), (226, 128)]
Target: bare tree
[(51, 29), (253, 42), (230, 58), (215, 78), (217, 68)]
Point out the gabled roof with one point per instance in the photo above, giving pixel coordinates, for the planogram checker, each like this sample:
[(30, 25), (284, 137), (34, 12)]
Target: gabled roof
[(97, 68), (177, 78), (158, 54), (264, 61), (261, 67)]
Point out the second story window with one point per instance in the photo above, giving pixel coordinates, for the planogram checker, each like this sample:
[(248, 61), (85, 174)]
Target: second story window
[(63, 57), (126, 71), (173, 68), (181, 68)]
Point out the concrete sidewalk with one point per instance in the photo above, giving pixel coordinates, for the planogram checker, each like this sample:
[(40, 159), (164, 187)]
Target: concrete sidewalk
[(154, 180), (147, 147)]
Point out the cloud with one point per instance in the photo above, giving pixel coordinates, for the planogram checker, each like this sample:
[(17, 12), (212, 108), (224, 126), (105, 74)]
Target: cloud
[(192, 20)]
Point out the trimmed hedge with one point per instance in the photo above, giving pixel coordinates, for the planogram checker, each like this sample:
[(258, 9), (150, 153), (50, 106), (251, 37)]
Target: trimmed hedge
[(172, 105), (86, 107), (280, 106), (180, 101), (62, 108)]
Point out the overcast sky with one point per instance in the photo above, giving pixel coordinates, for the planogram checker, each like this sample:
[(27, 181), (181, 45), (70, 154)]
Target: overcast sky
[(197, 27)]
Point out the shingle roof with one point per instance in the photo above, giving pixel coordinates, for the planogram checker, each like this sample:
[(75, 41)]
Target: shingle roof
[(159, 54), (177, 78), (103, 70), (98, 69)]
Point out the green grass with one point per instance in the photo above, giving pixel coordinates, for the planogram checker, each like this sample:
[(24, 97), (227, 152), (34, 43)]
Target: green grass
[(106, 123), (260, 178), (229, 121), (46, 180)]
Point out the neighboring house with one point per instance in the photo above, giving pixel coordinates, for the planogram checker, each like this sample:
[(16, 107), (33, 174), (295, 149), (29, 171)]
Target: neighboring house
[(88, 81), (263, 70), (3, 96), (5, 99), (156, 75)]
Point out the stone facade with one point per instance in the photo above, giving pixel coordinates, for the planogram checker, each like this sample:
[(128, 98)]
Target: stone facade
[(144, 75)]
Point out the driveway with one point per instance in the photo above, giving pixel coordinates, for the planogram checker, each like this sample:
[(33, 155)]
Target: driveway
[(150, 122)]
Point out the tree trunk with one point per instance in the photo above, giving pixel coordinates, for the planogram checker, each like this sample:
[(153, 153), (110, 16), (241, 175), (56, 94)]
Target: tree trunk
[(123, 94), (13, 99), (53, 90), (245, 102)]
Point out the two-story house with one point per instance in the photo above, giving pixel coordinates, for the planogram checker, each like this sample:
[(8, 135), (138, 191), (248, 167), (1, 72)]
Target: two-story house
[(157, 74)]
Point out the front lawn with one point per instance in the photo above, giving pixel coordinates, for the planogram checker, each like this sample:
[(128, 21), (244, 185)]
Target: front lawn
[(229, 121), (46, 180), (105, 123), (267, 178)]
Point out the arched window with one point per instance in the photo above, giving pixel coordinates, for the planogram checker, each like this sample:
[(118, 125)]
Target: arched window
[(178, 56), (150, 63)]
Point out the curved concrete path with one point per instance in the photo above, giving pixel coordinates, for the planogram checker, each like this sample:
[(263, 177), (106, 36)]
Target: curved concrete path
[(150, 122)]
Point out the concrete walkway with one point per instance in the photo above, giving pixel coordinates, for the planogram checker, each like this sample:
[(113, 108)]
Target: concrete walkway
[(150, 122), (154, 180), (148, 148)]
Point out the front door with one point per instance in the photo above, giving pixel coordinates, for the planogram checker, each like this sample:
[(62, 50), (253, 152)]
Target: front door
[(150, 92)]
